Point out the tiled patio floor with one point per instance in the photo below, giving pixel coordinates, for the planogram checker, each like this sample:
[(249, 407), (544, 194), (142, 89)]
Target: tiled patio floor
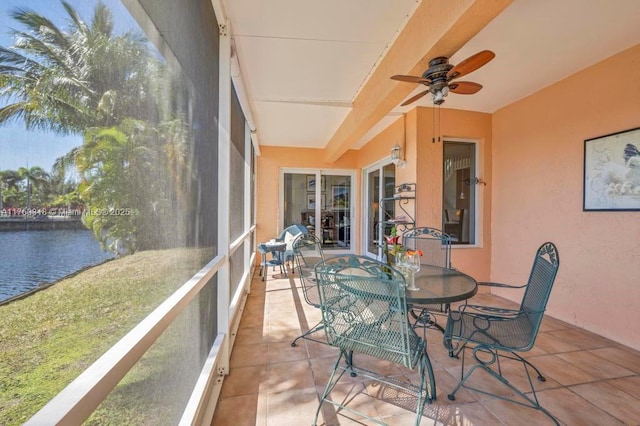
[(590, 380)]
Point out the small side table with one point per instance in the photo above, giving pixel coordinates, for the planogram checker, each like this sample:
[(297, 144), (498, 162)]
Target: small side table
[(276, 249)]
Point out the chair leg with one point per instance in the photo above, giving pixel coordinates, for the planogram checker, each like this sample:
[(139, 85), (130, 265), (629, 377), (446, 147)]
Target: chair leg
[(485, 365), (333, 381), (317, 327)]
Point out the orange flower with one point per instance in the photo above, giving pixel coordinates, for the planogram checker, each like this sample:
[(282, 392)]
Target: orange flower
[(418, 252)]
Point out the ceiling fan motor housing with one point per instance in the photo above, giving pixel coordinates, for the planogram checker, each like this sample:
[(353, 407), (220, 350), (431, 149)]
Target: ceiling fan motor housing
[(437, 73)]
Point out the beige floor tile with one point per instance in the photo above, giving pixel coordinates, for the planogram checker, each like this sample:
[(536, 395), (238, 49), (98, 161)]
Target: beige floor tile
[(352, 395), (582, 339), (515, 414), (612, 400), (244, 381), (284, 352), (630, 385), (287, 376), (283, 333), (560, 370), (597, 367), (320, 350), (253, 319), (240, 411), (246, 355), (252, 335), (323, 367), (462, 415), (552, 344), (624, 358), (445, 383), (571, 409), (293, 407)]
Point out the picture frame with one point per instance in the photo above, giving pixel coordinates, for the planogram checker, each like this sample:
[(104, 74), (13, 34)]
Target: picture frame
[(311, 183), (611, 179), (311, 201), (340, 197)]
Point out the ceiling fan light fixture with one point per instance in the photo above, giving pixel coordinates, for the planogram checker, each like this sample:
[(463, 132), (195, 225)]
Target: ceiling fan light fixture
[(438, 97)]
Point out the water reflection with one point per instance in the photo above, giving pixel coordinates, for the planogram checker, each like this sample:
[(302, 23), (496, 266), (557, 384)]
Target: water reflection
[(28, 258)]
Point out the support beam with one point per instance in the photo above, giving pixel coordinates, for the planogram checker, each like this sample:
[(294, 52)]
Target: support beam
[(437, 28)]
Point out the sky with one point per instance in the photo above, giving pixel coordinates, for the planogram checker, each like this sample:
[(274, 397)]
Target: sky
[(22, 148)]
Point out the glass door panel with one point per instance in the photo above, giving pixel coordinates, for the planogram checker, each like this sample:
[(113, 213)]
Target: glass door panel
[(336, 214), (325, 209), (377, 188)]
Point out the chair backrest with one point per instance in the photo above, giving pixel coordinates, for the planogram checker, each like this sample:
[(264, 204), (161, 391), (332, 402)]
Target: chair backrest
[(307, 249), (288, 235), (364, 309), (434, 244), (541, 279)]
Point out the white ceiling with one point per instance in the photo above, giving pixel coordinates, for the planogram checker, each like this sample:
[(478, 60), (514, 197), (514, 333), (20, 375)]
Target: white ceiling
[(303, 62)]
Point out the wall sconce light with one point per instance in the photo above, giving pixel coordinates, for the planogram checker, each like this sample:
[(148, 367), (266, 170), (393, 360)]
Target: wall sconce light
[(396, 154)]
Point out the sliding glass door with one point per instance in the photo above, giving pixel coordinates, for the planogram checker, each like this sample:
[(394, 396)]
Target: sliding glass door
[(321, 200), (379, 182)]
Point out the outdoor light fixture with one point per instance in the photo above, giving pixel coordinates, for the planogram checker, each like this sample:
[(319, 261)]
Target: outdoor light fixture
[(396, 154)]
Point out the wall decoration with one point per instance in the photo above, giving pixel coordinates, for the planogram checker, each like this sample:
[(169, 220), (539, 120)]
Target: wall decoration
[(311, 183), (311, 201), (340, 197), (612, 172)]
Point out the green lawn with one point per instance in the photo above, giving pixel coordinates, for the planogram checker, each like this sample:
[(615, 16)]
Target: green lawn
[(50, 337)]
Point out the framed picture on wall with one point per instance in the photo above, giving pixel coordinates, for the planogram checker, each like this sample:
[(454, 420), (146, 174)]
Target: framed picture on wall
[(311, 201), (311, 183), (612, 172), (340, 197)]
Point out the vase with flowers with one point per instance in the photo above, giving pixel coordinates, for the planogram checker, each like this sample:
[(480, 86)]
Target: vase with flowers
[(402, 258)]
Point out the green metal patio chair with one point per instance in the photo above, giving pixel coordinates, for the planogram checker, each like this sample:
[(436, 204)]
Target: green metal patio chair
[(492, 333), (307, 249), (435, 247), (364, 311)]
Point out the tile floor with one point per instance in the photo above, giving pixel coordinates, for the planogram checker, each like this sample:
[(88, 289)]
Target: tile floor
[(590, 380)]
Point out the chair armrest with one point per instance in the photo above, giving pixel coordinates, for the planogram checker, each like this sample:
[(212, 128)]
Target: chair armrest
[(491, 284)]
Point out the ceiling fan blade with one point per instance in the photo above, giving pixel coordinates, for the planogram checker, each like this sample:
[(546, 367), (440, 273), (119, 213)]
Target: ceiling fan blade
[(411, 79), (414, 98), (471, 64), (464, 87)]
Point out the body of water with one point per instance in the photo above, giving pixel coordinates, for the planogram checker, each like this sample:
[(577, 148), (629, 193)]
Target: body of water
[(29, 258)]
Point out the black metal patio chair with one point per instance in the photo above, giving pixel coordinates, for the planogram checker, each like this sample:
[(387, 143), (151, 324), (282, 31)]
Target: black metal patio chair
[(493, 333)]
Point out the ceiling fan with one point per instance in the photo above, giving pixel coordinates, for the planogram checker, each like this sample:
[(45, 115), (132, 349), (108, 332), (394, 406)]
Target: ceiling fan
[(440, 75)]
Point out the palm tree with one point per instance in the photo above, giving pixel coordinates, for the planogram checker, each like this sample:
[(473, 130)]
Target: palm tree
[(35, 178), (119, 95), (11, 179), (70, 81)]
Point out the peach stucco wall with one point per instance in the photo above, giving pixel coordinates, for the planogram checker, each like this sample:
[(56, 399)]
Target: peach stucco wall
[(538, 148)]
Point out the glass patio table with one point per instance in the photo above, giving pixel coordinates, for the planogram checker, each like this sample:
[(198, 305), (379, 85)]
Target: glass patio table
[(441, 285)]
